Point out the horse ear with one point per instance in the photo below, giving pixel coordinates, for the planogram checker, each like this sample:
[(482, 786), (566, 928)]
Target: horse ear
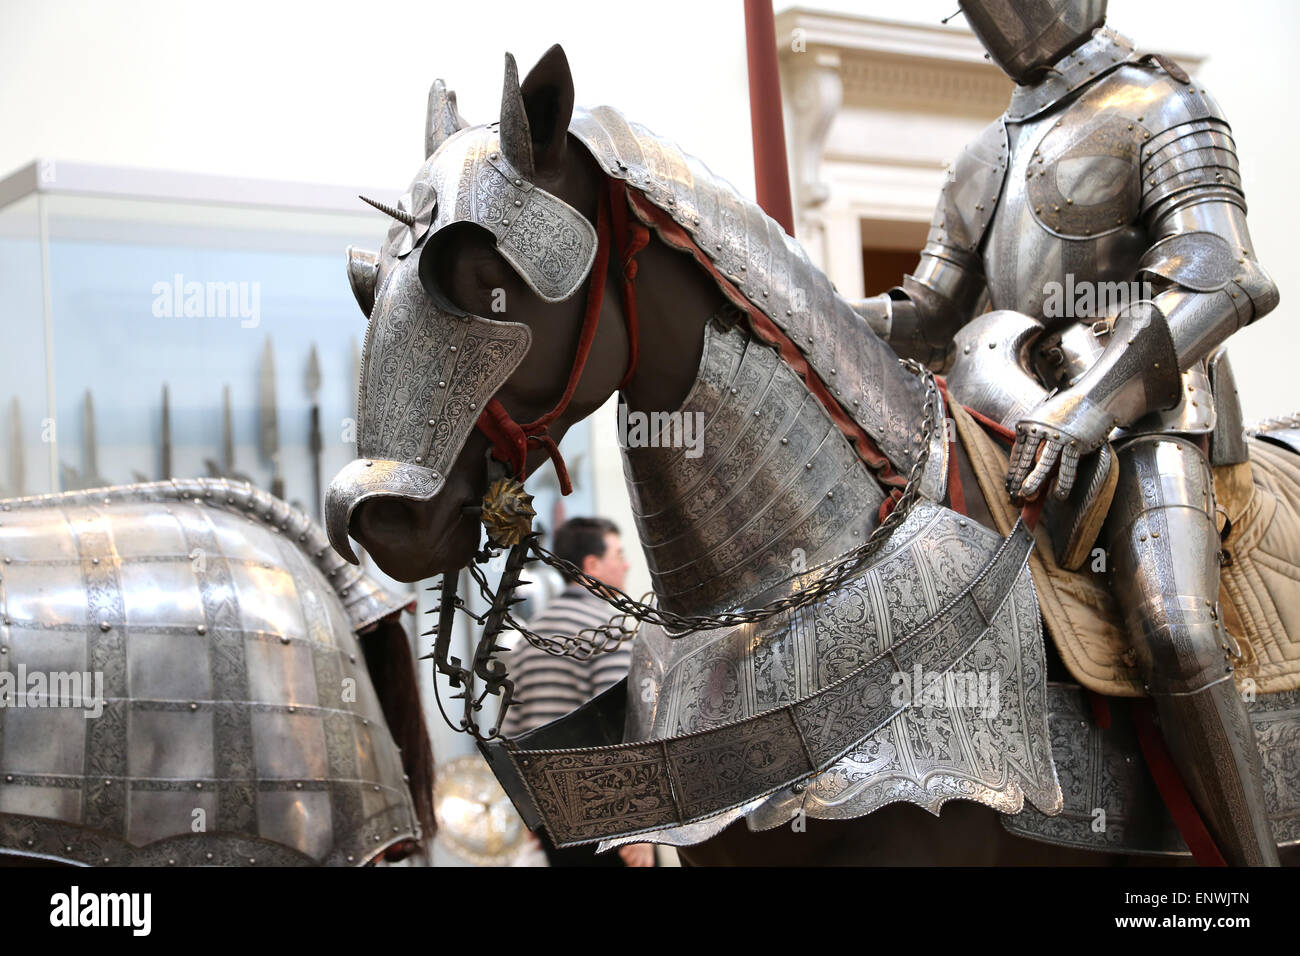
[(443, 118), (548, 99), (516, 139)]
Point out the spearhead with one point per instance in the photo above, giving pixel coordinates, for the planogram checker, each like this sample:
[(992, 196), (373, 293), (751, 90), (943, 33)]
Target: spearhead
[(269, 428), (166, 461), (313, 374)]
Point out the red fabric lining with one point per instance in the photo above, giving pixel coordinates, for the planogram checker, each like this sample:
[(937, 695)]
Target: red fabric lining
[(1100, 710), (1171, 788)]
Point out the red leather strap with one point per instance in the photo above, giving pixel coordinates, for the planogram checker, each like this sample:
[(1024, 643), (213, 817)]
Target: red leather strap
[(631, 237), (1171, 788), (510, 440)]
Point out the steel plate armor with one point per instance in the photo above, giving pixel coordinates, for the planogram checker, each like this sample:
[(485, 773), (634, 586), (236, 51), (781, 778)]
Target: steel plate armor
[(238, 724), (1104, 218)]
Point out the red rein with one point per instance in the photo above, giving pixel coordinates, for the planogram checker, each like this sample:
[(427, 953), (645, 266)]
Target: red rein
[(510, 440)]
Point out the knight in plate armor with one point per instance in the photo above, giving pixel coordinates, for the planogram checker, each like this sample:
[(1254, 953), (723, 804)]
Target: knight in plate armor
[(1110, 172)]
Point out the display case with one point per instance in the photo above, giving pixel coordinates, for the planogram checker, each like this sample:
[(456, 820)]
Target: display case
[(161, 324)]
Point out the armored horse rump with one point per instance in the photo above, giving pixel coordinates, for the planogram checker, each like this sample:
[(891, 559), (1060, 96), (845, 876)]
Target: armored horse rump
[(811, 574), (228, 714)]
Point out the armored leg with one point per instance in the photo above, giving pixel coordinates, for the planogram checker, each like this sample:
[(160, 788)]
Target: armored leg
[(1164, 550)]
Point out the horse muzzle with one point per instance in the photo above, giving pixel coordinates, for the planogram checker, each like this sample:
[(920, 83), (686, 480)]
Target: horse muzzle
[(369, 479)]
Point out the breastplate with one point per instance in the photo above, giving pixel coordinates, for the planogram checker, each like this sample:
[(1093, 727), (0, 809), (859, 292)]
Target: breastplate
[(1067, 216)]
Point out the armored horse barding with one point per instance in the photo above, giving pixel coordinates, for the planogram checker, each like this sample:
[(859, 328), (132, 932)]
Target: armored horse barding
[(189, 677), (819, 496)]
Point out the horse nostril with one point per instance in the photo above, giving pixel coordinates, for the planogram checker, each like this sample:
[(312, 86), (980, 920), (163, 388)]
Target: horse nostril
[(382, 520)]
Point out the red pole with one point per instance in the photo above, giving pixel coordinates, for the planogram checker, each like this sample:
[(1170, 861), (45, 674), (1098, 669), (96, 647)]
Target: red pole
[(771, 173)]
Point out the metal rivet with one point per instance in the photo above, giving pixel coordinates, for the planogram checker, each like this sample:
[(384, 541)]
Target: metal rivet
[(193, 706), (785, 441), (105, 626), (198, 786), (202, 629)]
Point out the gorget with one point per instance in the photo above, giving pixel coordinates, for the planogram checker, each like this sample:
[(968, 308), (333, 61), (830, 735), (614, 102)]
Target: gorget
[(1104, 52)]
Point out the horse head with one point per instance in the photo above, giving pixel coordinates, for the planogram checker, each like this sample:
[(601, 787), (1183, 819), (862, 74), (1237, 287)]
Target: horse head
[(476, 324)]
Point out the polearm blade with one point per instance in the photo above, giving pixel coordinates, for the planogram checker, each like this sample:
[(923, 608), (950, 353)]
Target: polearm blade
[(17, 479), (165, 471), (89, 451), (227, 434), (316, 441), (268, 432)]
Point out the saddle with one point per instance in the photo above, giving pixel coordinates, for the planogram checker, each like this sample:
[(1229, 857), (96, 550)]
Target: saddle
[(1259, 584)]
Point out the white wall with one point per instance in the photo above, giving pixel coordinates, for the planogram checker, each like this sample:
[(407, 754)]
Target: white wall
[(335, 92)]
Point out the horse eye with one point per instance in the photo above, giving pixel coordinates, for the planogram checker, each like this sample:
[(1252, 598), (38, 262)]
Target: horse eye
[(460, 258)]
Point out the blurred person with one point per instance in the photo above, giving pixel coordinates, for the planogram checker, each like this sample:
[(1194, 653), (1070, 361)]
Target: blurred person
[(548, 687)]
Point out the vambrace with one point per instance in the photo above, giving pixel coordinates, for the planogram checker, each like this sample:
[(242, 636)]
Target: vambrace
[(920, 318)]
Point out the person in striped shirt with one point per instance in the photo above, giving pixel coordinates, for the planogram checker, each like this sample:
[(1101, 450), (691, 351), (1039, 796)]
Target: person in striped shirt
[(548, 687)]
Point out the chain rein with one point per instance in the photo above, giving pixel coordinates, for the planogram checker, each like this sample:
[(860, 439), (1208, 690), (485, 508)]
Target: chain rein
[(831, 576), (487, 671)]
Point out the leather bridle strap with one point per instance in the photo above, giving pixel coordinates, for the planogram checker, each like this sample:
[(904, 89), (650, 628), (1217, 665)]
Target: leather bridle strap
[(509, 439)]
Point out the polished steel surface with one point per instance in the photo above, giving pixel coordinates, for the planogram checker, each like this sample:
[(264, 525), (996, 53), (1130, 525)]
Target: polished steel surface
[(1122, 185), (775, 483), (1111, 803), (1228, 440), (1164, 546), (993, 368), (1024, 36), (815, 708), (426, 377), (238, 722), (928, 753), (771, 270)]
